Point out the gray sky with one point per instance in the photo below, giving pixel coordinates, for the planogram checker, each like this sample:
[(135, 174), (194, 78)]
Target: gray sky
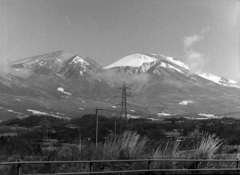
[(201, 33)]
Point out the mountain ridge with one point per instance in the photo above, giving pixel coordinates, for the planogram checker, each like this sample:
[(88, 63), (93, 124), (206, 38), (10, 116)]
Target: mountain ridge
[(69, 85), (165, 61)]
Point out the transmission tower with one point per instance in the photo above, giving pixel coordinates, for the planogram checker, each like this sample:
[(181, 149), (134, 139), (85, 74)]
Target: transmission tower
[(123, 114), (45, 125)]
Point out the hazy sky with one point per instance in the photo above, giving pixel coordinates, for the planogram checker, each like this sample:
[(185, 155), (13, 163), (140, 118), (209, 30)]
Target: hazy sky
[(201, 33)]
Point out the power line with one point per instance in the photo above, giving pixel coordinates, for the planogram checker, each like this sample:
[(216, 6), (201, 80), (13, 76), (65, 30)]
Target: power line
[(134, 113)]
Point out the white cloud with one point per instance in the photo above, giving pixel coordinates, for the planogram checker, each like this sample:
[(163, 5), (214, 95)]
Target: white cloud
[(194, 59), (189, 40)]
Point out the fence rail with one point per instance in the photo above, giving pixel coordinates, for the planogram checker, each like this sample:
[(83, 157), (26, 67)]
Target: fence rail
[(19, 164)]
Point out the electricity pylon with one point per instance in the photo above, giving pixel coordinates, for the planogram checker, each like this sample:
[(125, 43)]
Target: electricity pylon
[(123, 114)]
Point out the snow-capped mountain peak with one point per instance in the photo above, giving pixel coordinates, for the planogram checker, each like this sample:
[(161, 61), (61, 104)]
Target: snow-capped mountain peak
[(135, 60), (151, 63), (157, 64), (78, 59), (144, 60)]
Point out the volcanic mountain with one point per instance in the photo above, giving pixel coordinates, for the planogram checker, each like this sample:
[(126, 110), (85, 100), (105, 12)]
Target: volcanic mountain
[(69, 85)]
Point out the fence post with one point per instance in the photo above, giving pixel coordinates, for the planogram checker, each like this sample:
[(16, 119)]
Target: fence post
[(197, 166), (237, 166), (19, 167), (90, 165), (149, 166)]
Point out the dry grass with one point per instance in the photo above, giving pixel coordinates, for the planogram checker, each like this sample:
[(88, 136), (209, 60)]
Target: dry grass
[(205, 148), (128, 145), (208, 146), (167, 150)]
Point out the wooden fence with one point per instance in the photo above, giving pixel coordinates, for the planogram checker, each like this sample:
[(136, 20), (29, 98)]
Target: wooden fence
[(147, 170)]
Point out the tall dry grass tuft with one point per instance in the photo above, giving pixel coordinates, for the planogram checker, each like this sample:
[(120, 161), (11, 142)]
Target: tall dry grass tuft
[(207, 146), (166, 150), (128, 145)]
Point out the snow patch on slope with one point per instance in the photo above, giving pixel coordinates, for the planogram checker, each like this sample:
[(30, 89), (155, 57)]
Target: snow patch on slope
[(20, 115), (163, 114), (135, 60), (210, 77), (179, 63), (44, 113), (207, 115), (172, 67), (132, 116), (62, 90), (218, 80), (164, 65), (172, 60), (186, 102)]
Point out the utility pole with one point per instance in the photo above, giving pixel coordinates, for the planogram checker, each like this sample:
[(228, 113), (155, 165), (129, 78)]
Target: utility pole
[(97, 126), (115, 125), (79, 139), (45, 124)]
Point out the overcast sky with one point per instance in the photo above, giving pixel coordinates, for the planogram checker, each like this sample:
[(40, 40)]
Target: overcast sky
[(202, 33)]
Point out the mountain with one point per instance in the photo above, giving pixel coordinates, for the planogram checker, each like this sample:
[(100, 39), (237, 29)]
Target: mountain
[(60, 71), (70, 85), (33, 120), (168, 86)]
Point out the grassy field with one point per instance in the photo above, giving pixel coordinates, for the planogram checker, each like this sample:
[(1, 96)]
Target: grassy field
[(125, 146)]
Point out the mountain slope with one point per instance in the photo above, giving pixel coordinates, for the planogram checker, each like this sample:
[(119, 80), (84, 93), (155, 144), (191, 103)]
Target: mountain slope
[(52, 71), (169, 83), (69, 85)]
